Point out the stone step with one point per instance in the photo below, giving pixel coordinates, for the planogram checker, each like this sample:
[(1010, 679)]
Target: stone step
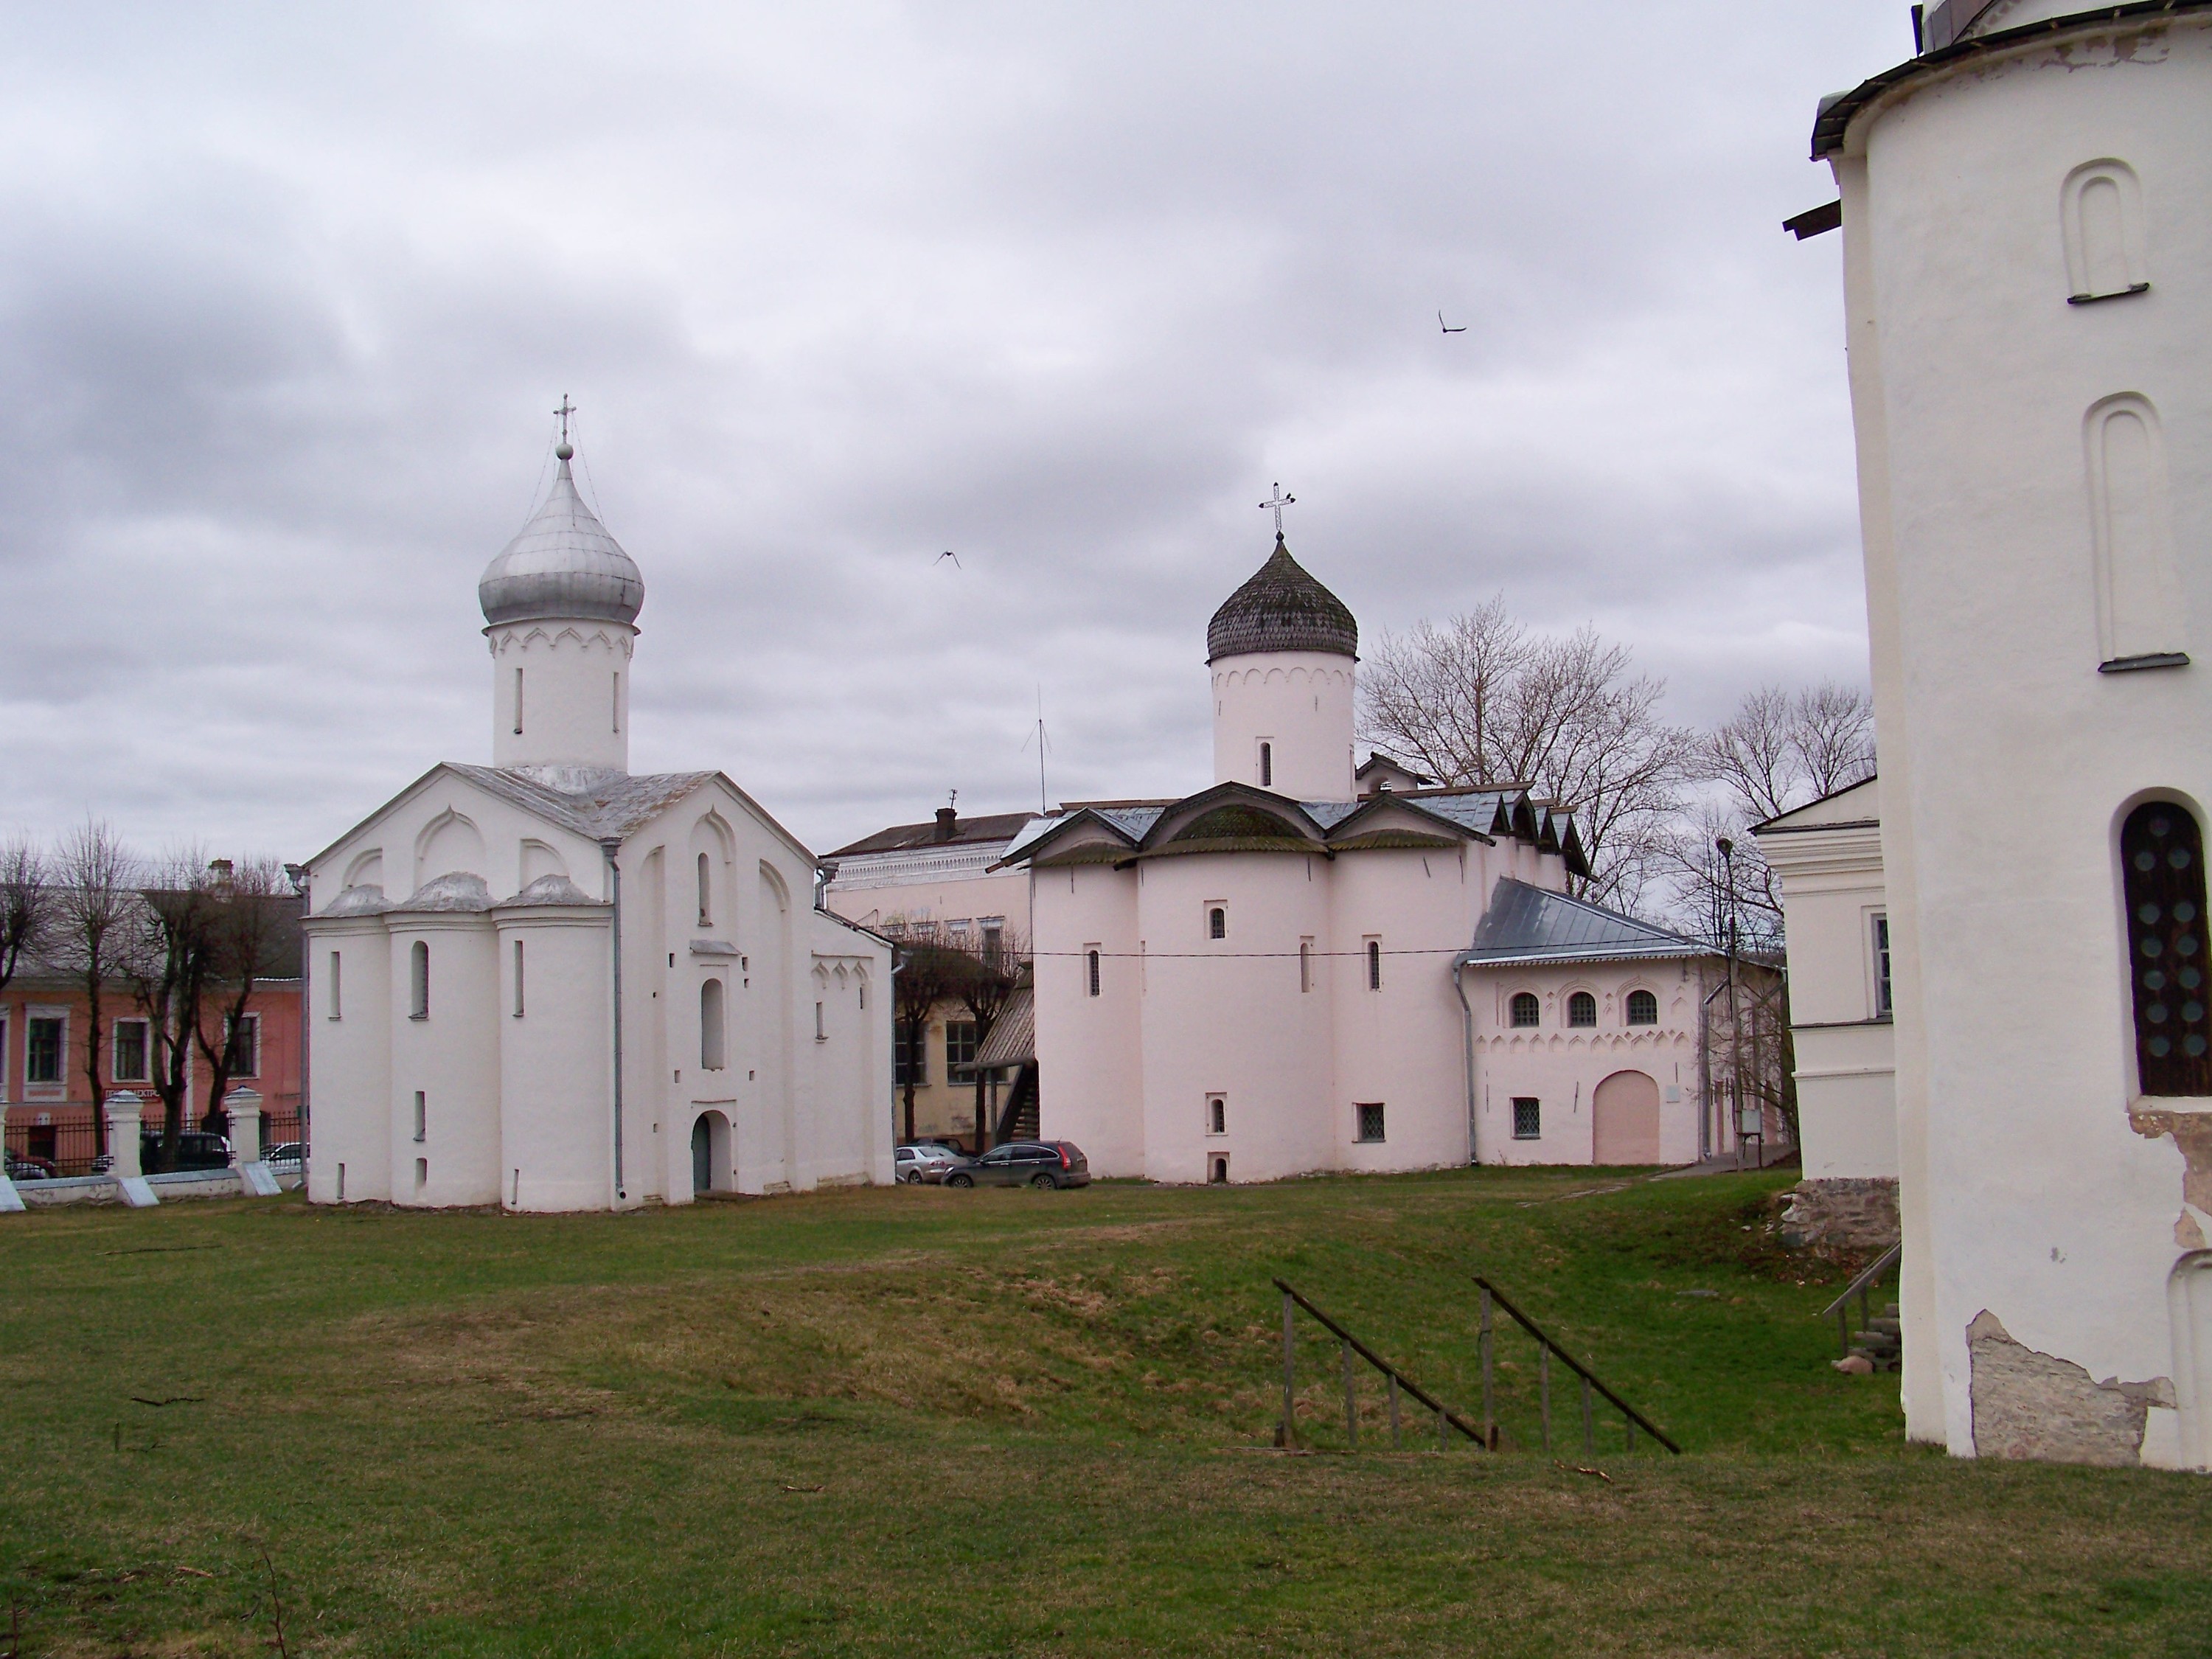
[(1894, 1327)]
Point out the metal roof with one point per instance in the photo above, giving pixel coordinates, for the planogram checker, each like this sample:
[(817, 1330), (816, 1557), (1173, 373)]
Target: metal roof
[(1529, 924), (1012, 1041), (562, 564), (917, 837), (603, 803), (1838, 110), (1281, 608)]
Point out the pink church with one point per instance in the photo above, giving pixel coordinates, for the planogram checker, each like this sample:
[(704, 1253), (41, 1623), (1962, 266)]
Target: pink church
[(1309, 968)]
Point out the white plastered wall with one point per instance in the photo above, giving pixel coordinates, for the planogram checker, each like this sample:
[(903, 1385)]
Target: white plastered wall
[(2007, 756), (1300, 703)]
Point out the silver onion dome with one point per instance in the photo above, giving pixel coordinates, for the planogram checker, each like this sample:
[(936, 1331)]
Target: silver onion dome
[(563, 564)]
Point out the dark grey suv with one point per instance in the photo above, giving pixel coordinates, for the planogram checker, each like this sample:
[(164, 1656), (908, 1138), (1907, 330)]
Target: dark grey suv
[(1024, 1164)]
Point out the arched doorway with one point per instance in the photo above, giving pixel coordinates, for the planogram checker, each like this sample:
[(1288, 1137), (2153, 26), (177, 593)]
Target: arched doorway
[(1625, 1120), (702, 1157)]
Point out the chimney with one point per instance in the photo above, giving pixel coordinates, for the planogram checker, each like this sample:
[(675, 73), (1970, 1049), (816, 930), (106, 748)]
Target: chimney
[(221, 869), (948, 824)]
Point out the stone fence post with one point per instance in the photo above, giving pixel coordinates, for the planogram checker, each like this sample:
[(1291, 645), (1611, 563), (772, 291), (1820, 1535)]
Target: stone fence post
[(244, 1106), (123, 1132)]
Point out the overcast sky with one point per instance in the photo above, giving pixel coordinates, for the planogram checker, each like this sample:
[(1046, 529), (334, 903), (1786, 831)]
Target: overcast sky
[(287, 295)]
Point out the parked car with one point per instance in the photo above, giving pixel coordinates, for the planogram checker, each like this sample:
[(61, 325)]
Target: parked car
[(924, 1160), (286, 1151), (197, 1149), (22, 1166), (1024, 1164)]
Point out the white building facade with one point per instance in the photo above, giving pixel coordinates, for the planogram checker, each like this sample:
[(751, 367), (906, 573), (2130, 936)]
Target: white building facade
[(1281, 974), (550, 985), (2026, 215), (1826, 856)]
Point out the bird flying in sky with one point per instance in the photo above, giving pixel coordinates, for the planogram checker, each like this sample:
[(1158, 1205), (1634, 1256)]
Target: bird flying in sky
[(949, 554), (1446, 327)]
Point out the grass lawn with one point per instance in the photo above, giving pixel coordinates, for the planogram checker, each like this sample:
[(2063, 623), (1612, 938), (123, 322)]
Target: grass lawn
[(1000, 1422)]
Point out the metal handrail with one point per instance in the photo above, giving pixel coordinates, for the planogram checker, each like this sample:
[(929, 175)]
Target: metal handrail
[(1490, 1293), (1858, 1287), (1352, 1344)]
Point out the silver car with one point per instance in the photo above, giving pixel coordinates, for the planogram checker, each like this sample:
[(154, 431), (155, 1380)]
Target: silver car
[(924, 1161)]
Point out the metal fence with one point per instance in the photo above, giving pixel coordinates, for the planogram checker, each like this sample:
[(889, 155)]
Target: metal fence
[(56, 1149)]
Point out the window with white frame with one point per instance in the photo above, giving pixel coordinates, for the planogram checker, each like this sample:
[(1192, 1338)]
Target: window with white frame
[(1216, 921), (1217, 1114), (129, 1061), (960, 1050), (246, 1046), (44, 1037)]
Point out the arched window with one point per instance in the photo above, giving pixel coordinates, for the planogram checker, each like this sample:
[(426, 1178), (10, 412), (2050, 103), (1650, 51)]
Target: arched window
[(418, 962), (517, 702), (1374, 964), (1582, 1009), (1092, 965), (711, 1026), (1267, 766), (706, 894), (517, 979), (1217, 922), (1527, 1010), (2162, 854), (1643, 1008)]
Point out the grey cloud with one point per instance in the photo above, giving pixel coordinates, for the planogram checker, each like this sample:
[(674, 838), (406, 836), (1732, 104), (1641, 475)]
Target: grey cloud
[(284, 300)]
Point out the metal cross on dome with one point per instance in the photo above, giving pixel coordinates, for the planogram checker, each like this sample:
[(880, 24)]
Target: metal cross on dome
[(566, 410), (1278, 502)]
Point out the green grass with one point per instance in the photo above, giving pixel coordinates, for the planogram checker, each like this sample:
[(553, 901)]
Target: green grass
[(1005, 1422)]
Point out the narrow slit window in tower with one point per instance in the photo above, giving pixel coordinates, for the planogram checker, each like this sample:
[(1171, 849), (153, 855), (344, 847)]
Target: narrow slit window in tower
[(418, 957), (2162, 859)]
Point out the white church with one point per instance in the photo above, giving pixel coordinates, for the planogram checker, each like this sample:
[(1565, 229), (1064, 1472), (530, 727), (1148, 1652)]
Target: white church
[(549, 984), (1307, 967), (1998, 951)]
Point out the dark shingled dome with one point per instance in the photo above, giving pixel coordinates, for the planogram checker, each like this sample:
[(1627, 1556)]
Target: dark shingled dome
[(1281, 609)]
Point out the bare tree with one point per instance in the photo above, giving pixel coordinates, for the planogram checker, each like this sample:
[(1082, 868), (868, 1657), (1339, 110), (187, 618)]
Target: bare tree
[(94, 897), (1481, 701), (1779, 751), (927, 971), (27, 904), (987, 979), (248, 927), (169, 965)]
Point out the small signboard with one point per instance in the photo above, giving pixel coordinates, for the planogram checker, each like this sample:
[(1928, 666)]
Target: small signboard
[(258, 1181), (137, 1193)]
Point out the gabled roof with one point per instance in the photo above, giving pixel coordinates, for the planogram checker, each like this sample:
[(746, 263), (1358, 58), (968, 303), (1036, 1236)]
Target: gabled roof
[(604, 804), (916, 837), (1527, 924), (592, 802), (1855, 805), (1146, 828)]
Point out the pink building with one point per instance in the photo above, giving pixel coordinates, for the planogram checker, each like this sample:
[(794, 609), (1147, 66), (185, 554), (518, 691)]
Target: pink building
[(1308, 967)]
